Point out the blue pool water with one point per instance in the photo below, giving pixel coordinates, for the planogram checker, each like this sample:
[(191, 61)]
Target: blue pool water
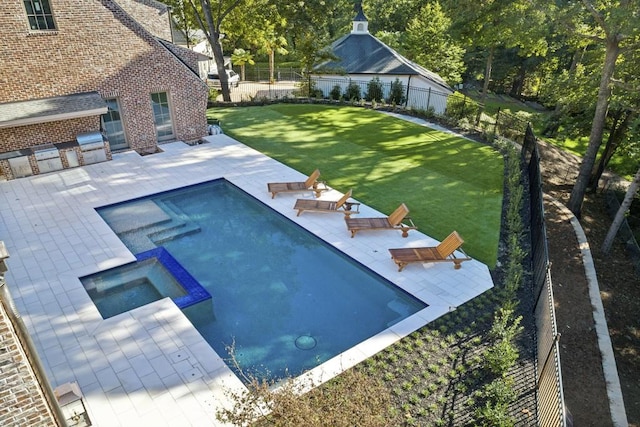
[(281, 297)]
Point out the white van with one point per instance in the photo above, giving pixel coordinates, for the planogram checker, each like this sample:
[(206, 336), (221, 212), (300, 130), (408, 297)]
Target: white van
[(213, 79)]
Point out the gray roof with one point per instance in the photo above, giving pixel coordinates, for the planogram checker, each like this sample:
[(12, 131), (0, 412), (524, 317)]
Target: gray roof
[(365, 54), (51, 109)]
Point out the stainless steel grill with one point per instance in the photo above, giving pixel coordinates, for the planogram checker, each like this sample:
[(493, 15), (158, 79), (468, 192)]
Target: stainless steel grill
[(45, 152), (48, 158), (92, 147), (90, 141)]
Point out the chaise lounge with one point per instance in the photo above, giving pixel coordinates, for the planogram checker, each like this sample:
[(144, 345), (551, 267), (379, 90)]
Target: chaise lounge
[(310, 184), (341, 205), (392, 222), (444, 252)]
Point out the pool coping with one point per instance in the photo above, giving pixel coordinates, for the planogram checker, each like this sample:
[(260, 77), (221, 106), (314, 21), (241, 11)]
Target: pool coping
[(150, 365)]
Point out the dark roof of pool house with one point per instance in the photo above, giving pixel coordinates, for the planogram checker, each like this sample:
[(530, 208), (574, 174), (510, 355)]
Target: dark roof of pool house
[(359, 52)]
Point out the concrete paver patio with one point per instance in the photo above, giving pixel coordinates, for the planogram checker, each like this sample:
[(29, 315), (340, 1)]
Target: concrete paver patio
[(150, 366)]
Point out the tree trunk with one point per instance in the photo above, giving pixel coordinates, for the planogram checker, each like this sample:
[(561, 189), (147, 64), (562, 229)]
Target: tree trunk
[(518, 82), (222, 72), (487, 76), (272, 65), (624, 207), (617, 135), (216, 47), (597, 129)]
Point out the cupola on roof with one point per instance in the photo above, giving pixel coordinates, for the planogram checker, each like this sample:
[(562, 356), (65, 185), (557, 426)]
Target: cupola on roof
[(360, 23)]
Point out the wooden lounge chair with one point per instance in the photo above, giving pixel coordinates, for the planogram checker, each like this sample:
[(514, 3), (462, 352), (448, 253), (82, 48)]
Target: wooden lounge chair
[(395, 221), (311, 184), (444, 252), (341, 205)]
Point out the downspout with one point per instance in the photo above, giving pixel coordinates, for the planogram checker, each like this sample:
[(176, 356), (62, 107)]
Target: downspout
[(27, 344), (406, 98)]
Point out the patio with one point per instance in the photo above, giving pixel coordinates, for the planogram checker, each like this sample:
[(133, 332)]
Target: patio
[(150, 366)]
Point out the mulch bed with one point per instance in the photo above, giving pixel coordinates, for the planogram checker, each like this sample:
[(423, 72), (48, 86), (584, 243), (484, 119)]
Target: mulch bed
[(584, 388), (580, 358)]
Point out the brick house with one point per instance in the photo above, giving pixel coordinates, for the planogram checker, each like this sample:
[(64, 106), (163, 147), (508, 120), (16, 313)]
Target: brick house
[(74, 68)]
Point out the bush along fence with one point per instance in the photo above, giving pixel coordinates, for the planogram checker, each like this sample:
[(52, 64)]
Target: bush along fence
[(551, 408), (379, 92)]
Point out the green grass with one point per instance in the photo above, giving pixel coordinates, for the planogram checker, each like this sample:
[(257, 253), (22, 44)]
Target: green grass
[(447, 182)]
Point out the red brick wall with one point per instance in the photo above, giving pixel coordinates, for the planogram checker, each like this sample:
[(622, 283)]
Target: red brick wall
[(21, 400), (98, 47), (61, 131)]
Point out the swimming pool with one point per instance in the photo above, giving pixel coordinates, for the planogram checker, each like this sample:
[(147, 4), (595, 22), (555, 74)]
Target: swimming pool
[(283, 299)]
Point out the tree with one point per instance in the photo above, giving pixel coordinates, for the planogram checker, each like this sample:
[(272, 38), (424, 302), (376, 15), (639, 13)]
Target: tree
[(393, 16), (273, 43), (623, 118), (496, 24), (184, 18), (311, 26), (612, 26), (428, 43), (312, 50), (622, 121), (242, 57), (210, 15), (622, 211)]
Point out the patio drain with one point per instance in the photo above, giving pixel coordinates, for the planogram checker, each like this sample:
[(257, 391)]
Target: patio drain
[(306, 342)]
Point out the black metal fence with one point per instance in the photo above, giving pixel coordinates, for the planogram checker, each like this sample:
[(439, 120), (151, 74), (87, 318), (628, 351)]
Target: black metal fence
[(551, 409), (386, 92), (258, 85), (263, 74)]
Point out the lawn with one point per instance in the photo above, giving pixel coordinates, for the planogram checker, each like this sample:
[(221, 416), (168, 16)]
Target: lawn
[(448, 182)]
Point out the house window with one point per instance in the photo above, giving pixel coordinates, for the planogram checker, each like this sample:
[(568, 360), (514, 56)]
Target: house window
[(162, 116), (113, 127), (39, 14)]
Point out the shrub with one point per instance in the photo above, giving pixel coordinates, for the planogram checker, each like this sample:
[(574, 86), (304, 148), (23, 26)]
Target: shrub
[(502, 354), (351, 396), (353, 92), (460, 106), (497, 397), (374, 90), (500, 357), (396, 93), (308, 87), (505, 327), (336, 92)]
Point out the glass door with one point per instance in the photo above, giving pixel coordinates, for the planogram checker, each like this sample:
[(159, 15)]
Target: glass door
[(162, 116), (112, 125)]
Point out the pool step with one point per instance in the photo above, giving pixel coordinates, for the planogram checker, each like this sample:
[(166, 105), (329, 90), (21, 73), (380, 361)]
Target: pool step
[(170, 233), (168, 223)]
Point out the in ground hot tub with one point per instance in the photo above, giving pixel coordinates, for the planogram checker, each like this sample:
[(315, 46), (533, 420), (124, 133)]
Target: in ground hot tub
[(155, 275)]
